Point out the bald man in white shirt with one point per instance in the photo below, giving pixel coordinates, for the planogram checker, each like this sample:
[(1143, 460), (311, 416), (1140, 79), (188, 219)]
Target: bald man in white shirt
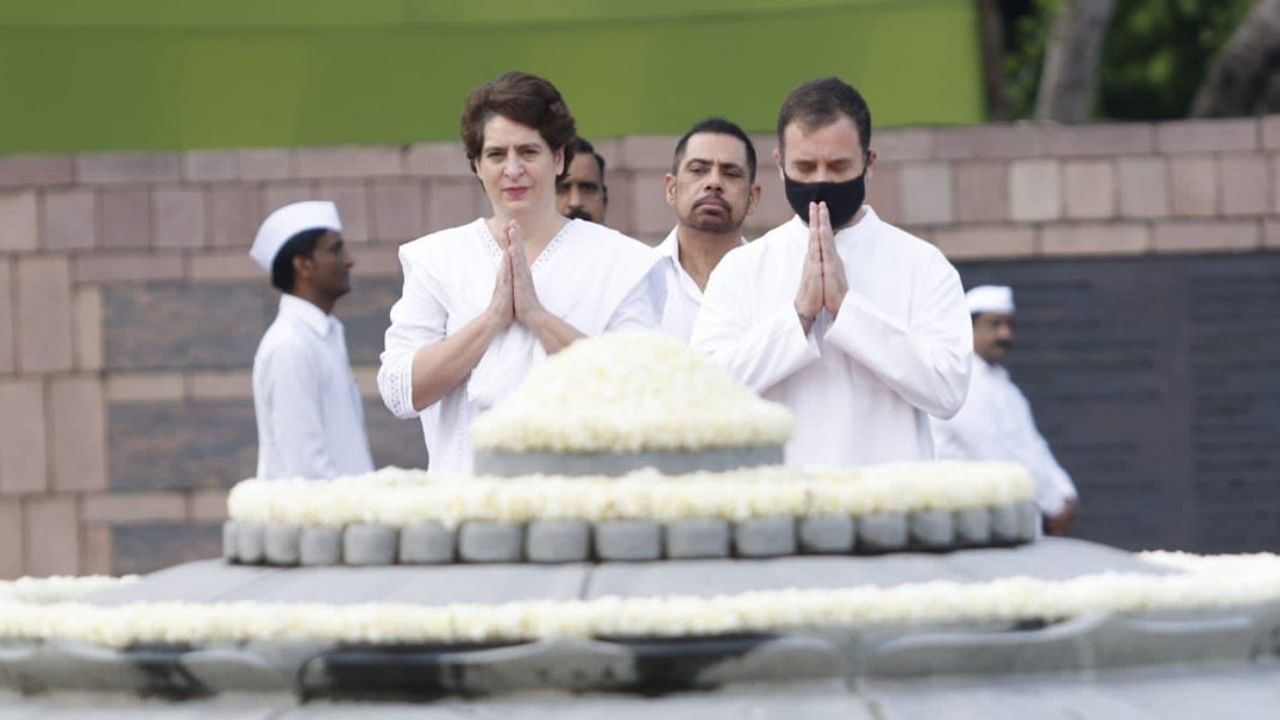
[(307, 404), (996, 421)]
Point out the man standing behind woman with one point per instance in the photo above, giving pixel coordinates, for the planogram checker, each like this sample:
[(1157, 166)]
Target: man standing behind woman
[(483, 302)]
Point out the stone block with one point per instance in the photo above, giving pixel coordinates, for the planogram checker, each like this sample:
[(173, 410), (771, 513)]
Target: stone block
[(207, 506), (251, 542), (125, 219), (983, 242), (277, 195), (210, 166), (827, 534), (52, 536), (282, 544), (428, 543), (1028, 522), (1090, 189), (104, 168), (649, 208), (926, 193), (88, 328), (11, 550), (220, 385), (989, 141), (116, 267), (223, 265), (352, 199), (697, 538), (972, 526), (883, 532), (453, 202), (439, 159), (1207, 236), (646, 152), (1034, 191), (320, 546), (266, 163), (176, 326), (18, 225), (144, 387), (1006, 524), (150, 547), (1193, 185), (8, 334), (557, 541), (898, 144), (180, 444), (399, 212), (29, 170), (486, 541), (78, 434), (234, 215), (764, 537), (44, 314), (1100, 139), (1144, 187), (1095, 239), (1190, 136), (23, 461), (1271, 132), (1246, 184), (931, 529), (99, 556), (981, 191), (179, 218), (628, 540), (133, 508), (884, 194), (349, 162)]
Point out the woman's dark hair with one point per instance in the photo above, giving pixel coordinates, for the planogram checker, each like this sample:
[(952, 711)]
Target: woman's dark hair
[(304, 243), (525, 99)]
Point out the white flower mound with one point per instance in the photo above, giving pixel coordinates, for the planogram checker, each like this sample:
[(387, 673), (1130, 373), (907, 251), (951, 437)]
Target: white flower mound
[(629, 392)]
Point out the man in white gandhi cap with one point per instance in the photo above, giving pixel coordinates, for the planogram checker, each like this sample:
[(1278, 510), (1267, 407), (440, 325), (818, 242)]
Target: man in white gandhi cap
[(307, 403), (995, 422)]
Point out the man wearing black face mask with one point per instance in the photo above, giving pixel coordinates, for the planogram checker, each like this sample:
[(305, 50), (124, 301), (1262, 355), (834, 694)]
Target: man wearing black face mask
[(858, 327)]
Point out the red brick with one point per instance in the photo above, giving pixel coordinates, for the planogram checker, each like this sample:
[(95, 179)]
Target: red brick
[(68, 219), (884, 194), (267, 164), (210, 166), (220, 385), (1095, 239), (1207, 236), (7, 335), (234, 216), (18, 227), (1195, 136), (52, 537), (88, 332), (1246, 184), (11, 555), (224, 265), (207, 506), (35, 170), (133, 507), (126, 218), (129, 167), (1193, 185), (986, 242), (454, 202), (1034, 192), (901, 144), (22, 437), (352, 200), (1144, 187), (1100, 140), (99, 553), (77, 421), (926, 193), (647, 152), (349, 162), (1090, 189), (981, 191), (44, 314), (398, 213), (440, 160), (1271, 132), (276, 196), (127, 267), (989, 142), (179, 218), (652, 214)]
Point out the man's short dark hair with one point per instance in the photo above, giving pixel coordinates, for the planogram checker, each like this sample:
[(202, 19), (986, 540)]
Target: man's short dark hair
[(718, 126), (820, 102), (303, 244), (582, 147)]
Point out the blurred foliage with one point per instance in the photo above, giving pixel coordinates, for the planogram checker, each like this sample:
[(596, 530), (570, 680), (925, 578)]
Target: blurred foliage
[(1154, 58)]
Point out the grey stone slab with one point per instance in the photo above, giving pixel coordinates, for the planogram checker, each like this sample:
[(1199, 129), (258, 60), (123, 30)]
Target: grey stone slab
[(628, 540), (779, 660), (281, 544), (230, 543), (370, 544), (428, 543), (482, 541), (250, 543), (320, 545), (171, 325), (827, 534), (558, 541), (931, 529), (1028, 522), (110, 706), (883, 532), (181, 444), (764, 537), (697, 538), (1048, 558), (202, 581), (511, 464), (148, 547), (1006, 524), (972, 526)]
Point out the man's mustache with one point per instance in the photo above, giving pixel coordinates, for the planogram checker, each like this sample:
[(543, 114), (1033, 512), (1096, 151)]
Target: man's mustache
[(578, 213)]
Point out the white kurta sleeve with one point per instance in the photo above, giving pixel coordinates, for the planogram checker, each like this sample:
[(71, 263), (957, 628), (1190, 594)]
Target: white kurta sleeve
[(1053, 485), (417, 319), (926, 361), (297, 413), (758, 352), (642, 307)]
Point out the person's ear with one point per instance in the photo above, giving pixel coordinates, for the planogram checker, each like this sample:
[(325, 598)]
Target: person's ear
[(669, 186)]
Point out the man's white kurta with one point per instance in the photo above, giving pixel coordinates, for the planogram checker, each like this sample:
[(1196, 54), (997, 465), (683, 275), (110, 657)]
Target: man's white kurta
[(684, 297), (307, 403), (996, 424), (589, 276), (861, 387)]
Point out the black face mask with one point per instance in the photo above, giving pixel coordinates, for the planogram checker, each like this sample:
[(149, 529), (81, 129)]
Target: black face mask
[(843, 199)]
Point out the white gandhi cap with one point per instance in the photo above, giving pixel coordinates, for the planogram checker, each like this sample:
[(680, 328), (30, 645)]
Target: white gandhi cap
[(281, 225), (990, 299)]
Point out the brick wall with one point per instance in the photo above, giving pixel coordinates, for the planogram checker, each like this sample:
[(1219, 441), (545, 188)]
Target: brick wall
[(130, 312)]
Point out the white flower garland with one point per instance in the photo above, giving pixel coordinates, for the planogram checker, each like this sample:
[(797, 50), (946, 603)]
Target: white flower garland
[(58, 588), (1215, 583), (399, 498), (626, 392)]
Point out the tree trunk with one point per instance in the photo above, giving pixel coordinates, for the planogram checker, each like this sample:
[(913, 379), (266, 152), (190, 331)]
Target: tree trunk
[(991, 31), (1069, 80), (1245, 77)]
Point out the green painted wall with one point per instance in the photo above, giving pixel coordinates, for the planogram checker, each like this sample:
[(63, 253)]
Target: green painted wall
[(157, 74)]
